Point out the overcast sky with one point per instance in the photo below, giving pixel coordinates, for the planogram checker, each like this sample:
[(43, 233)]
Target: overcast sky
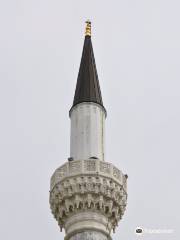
[(137, 51)]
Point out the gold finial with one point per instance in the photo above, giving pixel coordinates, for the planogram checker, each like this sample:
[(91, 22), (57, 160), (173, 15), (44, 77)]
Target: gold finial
[(88, 28)]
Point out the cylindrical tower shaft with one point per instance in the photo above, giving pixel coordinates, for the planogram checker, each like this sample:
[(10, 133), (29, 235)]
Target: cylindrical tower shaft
[(87, 131)]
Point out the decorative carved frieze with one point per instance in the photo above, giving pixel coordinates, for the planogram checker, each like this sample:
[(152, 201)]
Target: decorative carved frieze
[(75, 166), (105, 167), (90, 165)]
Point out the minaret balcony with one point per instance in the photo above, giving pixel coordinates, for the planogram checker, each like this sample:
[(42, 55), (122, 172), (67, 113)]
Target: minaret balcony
[(92, 191)]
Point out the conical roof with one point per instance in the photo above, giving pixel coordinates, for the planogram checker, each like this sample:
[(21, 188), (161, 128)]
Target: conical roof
[(87, 87)]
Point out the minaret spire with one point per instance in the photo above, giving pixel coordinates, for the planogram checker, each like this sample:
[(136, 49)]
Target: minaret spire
[(87, 87)]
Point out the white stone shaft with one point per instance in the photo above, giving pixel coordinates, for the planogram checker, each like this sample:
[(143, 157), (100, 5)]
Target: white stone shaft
[(87, 226), (89, 235), (87, 131)]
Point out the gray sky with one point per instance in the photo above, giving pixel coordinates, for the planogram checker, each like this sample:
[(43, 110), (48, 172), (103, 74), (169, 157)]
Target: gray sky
[(137, 50)]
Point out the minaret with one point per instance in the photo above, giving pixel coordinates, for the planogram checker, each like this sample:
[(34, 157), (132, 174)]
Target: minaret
[(87, 194)]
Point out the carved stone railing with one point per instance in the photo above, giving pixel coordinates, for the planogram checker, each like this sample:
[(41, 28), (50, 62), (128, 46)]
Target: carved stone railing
[(92, 166), (88, 188)]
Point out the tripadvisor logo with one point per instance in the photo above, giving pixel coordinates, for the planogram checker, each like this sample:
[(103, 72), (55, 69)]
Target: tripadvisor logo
[(139, 230)]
